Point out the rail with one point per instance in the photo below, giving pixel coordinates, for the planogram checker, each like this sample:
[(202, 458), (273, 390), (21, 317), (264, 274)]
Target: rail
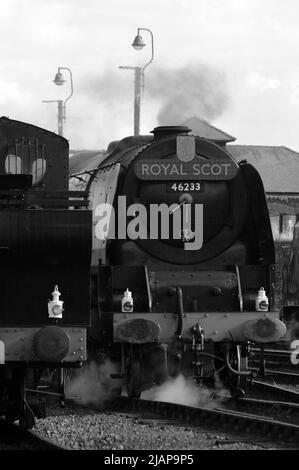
[(219, 417)]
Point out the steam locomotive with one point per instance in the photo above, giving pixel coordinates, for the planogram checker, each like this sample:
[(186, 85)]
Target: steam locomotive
[(183, 262), (45, 250)]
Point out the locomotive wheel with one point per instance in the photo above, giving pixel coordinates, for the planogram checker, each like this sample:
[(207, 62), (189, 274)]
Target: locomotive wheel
[(239, 362), (133, 379), (116, 392), (116, 386), (26, 421), (10, 416)]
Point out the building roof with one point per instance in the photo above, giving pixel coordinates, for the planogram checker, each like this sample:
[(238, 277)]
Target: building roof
[(202, 128), (278, 166), (80, 160)]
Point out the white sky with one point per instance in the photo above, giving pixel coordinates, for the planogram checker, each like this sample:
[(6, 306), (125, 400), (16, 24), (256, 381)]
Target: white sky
[(245, 54)]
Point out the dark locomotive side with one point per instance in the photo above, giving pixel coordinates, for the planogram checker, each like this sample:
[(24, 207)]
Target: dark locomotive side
[(190, 302), (45, 250)]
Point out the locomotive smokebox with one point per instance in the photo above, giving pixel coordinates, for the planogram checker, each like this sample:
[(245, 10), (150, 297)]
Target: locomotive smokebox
[(161, 132)]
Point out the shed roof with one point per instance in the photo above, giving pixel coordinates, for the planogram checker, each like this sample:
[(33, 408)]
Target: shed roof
[(204, 129), (278, 166), (81, 160)]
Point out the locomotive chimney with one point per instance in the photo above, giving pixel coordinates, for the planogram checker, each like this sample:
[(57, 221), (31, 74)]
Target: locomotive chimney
[(161, 132)]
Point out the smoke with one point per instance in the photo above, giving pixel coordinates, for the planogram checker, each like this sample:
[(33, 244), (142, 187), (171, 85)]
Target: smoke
[(189, 91), (92, 385), (184, 391), (170, 97), (109, 88)]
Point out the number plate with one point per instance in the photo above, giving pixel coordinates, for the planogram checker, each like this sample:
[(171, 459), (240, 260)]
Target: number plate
[(184, 186)]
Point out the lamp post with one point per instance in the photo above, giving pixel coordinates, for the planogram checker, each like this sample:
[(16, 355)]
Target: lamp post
[(138, 44), (61, 105)]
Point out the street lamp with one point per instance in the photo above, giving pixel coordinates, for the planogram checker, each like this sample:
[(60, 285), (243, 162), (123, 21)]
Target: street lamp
[(138, 44), (59, 80)]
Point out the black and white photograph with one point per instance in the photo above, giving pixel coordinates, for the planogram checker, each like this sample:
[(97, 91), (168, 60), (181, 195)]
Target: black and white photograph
[(149, 228)]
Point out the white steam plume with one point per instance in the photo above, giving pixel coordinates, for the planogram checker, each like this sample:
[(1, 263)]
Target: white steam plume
[(92, 385), (183, 390)]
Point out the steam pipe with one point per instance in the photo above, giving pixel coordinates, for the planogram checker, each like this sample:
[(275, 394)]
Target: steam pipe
[(179, 330), (233, 371)]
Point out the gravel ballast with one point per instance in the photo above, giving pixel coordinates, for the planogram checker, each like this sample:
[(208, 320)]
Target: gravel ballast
[(82, 429)]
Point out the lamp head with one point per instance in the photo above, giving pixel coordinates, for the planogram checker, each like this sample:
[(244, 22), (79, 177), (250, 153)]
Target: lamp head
[(138, 43), (59, 80)]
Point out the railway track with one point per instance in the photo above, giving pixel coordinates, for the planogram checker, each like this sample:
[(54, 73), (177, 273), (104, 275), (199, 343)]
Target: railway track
[(264, 389), (13, 438), (289, 411), (219, 417)]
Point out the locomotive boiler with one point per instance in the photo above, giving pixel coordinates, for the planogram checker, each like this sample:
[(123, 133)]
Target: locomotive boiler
[(45, 250), (183, 263)]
